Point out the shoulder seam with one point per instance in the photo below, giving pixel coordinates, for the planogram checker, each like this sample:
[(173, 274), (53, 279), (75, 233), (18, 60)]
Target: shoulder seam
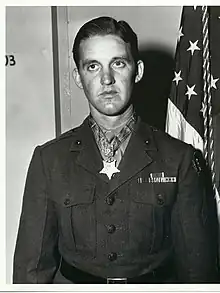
[(63, 136)]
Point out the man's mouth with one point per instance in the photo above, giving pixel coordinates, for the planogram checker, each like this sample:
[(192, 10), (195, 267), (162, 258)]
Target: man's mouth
[(109, 93)]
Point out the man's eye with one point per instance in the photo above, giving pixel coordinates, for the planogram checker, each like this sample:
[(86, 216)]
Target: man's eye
[(119, 64), (92, 67)]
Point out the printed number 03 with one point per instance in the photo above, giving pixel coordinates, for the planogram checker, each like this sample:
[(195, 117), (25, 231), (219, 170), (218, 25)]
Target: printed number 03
[(10, 60)]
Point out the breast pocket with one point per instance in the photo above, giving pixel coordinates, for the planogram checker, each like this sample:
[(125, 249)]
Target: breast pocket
[(149, 216), (79, 218)]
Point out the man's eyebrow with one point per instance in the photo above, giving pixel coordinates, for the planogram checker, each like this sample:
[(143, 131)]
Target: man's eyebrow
[(124, 57), (121, 57)]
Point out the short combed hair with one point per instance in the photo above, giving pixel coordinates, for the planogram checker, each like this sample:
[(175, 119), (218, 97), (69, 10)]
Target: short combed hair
[(102, 26)]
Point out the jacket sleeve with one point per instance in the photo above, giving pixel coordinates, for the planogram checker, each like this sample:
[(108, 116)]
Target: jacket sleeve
[(36, 255), (194, 222)]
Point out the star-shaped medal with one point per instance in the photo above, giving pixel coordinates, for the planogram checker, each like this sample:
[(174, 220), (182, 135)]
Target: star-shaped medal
[(109, 169)]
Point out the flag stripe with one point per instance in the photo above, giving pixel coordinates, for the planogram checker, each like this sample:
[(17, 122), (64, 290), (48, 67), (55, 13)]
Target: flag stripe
[(178, 127)]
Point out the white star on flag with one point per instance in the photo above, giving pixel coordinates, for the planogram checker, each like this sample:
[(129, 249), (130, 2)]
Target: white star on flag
[(190, 91), (177, 77), (193, 47), (203, 107), (213, 82), (180, 34)]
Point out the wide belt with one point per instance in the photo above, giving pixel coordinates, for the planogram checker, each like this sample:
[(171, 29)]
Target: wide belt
[(80, 277)]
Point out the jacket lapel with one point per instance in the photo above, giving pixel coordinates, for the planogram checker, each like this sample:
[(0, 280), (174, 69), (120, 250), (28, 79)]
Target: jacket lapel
[(84, 142), (137, 155)]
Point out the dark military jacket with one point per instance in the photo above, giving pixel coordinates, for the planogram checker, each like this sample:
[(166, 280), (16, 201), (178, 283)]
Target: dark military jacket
[(155, 209)]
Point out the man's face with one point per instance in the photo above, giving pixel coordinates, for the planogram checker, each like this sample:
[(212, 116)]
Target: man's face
[(107, 73)]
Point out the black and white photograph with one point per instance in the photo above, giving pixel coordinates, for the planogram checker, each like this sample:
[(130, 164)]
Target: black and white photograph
[(112, 145)]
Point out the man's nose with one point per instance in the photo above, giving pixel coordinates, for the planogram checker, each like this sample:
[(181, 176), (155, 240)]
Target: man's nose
[(107, 77)]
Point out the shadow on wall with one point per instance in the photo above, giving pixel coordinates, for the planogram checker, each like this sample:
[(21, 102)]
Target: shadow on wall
[(152, 92)]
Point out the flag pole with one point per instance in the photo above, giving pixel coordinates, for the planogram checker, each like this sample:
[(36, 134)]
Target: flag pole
[(207, 103)]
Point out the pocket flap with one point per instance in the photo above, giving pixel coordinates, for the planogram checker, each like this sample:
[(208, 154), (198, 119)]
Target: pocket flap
[(143, 193), (81, 195)]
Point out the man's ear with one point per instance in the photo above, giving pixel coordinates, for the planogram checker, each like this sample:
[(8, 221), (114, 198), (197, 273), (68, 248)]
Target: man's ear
[(77, 78), (140, 71)]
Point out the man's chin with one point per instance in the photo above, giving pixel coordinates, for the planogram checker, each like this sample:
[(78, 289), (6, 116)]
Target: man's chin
[(113, 110), (110, 112)]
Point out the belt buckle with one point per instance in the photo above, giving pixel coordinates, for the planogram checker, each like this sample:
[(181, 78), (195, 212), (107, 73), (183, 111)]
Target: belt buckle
[(116, 280)]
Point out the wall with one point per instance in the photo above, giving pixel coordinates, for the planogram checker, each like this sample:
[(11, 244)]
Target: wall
[(29, 104), (157, 29)]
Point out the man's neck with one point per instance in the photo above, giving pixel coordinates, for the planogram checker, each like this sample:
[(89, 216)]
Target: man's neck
[(112, 122)]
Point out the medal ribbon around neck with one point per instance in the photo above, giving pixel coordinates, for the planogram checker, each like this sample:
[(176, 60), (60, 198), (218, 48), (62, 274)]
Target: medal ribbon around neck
[(107, 148)]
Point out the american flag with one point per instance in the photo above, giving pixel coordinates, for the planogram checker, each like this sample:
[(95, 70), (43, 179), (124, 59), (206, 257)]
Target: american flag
[(187, 109)]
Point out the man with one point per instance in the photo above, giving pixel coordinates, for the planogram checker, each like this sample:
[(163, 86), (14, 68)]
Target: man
[(114, 200)]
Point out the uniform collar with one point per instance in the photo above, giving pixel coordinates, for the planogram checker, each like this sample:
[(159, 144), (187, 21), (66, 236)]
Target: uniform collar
[(139, 153)]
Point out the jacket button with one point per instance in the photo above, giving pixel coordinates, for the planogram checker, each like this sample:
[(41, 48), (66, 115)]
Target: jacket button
[(78, 142), (112, 256), (160, 199), (67, 201), (111, 228), (110, 200)]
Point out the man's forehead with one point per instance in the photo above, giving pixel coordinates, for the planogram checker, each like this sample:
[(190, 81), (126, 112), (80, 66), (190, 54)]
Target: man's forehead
[(104, 45)]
